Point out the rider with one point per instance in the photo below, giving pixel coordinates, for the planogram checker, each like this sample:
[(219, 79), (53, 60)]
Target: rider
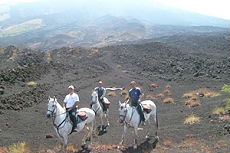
[(101, 91), (135, 95), (71, 102)]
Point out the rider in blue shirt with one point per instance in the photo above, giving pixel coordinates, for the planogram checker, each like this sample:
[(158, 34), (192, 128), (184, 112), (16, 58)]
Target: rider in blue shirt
[(135, 97), (101, 91)]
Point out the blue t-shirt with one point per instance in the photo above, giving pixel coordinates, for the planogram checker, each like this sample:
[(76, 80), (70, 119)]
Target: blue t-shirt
[(100, 91), (134, 95)]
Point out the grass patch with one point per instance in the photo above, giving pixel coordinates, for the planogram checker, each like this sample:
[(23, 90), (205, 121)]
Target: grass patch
[(167, 92), (160, 95), (18, 148), (124, 92), (188, 95), (225, 88), (168, 100), (202, 91), (125, 71), (195, 104), (111, 93), (219, 111), (168, 86), (119, 66), (32, 84), (192, 119)]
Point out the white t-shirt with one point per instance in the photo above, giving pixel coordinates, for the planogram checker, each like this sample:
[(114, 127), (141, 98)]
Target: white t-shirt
[(70, 100)]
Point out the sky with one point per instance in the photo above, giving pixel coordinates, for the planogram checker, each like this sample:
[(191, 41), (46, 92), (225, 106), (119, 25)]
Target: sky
[(217, 8)]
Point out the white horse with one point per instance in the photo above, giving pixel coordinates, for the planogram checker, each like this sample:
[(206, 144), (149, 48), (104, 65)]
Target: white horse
[(97, 108), (131, 118), (62, 124)]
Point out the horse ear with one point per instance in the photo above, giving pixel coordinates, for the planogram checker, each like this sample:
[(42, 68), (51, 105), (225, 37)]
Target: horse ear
[(54, 99)]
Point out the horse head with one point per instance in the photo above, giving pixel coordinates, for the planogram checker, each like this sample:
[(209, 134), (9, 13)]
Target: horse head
[(94, 97), (122, 111), (52, 106)]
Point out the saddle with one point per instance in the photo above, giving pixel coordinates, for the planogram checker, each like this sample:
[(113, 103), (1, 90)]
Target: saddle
[(106, 102), (82, 115), (146, 108)]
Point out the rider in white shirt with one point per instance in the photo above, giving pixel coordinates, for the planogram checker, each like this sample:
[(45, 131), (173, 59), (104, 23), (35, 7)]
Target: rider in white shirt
[(71, 102)]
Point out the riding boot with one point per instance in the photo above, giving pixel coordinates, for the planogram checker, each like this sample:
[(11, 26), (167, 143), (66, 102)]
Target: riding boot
[(73, 117), (139, 109)]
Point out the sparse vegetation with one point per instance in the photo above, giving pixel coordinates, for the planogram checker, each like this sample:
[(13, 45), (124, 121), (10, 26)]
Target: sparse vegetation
[(160, 95), (202, 91), (119, 66), (168, 100), (225, 88), (219, 111), (111, 93), (192, 119), (18, 148), (167, 92), (195, 103), (32, 84), (125, 71)]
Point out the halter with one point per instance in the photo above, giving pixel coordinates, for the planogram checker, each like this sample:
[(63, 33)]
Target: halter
[(52, 112), (124, 116), (93, 103), (54, 115)]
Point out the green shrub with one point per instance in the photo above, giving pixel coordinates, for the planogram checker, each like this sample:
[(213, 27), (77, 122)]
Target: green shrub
[(225, 88)]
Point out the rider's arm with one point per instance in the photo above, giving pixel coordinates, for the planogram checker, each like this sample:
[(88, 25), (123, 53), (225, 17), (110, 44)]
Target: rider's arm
[(65, 101), (75, 105), (104, 93), (141, 95)]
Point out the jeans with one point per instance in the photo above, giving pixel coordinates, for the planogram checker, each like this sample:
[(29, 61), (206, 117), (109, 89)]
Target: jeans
[(72, 115), (139, 110), (104, 107)]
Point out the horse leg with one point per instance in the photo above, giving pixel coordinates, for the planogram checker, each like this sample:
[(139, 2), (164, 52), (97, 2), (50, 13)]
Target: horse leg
[(107, 117), (156, 123), (123, 135), (102, 123), (136, 136), (65, 141), (91, 132), (148, 129)]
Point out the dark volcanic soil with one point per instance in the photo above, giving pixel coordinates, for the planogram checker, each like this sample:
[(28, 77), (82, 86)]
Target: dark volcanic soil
[(23, 107)]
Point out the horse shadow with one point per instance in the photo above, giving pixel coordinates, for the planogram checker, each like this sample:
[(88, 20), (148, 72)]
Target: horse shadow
[(145, 147)]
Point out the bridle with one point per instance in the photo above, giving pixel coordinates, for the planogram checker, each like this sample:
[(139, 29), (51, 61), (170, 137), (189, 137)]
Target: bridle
[(123, 116), (52, 111), (95, 102), (54, 115)]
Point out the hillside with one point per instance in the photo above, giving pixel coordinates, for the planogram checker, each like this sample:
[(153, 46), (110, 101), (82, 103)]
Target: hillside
[(23, 107)]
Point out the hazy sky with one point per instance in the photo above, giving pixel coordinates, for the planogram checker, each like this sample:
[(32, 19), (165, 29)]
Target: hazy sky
[(217, 8)]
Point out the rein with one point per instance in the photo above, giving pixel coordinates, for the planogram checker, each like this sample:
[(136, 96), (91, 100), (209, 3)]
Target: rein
[(124, 116), (54, 115)]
